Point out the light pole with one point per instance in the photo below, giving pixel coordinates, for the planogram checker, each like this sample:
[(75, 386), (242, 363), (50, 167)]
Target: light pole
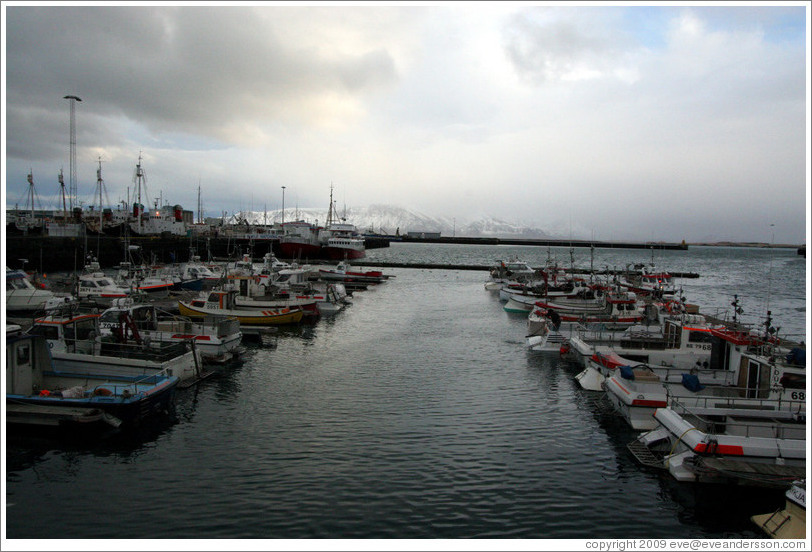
[(73, 191), (283, 204)]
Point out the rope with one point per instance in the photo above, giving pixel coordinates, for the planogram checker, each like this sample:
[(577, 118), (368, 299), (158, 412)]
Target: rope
[(673, 448)]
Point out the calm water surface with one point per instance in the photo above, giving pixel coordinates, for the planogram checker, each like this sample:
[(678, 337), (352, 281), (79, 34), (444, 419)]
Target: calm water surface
[(415, 413)]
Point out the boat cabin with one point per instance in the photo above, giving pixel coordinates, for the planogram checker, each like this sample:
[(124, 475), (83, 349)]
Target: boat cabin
[(688, 332), (70, 334), (26, 358), (760, 370)]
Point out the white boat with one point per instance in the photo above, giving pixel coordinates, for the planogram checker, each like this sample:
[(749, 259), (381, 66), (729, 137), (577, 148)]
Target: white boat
[(684, 342), (788, 522), (728, 444), (545, 334), (95, 286), (744, 369), (343, 273), (143, 279), (23, 297), (216, 338), (78, 347), (254, 295), (195, 269), (646, 281), (509, 271)]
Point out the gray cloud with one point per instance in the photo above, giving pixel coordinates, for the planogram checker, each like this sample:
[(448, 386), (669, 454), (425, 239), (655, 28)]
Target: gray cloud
[(553, 116)]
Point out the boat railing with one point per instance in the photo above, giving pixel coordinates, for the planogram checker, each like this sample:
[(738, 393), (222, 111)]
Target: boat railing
[(131, 388), (775, 418), (156, 351)]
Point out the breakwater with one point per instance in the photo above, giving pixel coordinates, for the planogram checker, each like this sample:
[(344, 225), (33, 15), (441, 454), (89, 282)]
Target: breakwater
[(545, 243), (453, 266)]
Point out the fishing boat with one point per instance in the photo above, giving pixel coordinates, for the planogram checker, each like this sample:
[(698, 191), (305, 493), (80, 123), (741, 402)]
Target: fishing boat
[(300, 240), (222, 303), (547, 330), (646, 281), (95, 286), (744, 369), (522, 298), (684, 341), (340, 240), (731, 443), (505, 272), (195, 270), (343, 273), (218, 339), (254, 295), (788, 522), (39, 393), (78, 347), (143, 279)]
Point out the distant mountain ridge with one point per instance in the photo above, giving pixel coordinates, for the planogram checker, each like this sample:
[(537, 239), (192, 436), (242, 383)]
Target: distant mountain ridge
[(391, 220)]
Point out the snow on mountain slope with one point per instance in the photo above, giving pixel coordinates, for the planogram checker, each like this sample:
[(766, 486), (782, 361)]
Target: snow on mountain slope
[(390, 219)]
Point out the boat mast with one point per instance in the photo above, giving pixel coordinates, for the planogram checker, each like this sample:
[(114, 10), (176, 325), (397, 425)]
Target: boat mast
[(100, 184), (330, 209), (139, 176), (31, 192)]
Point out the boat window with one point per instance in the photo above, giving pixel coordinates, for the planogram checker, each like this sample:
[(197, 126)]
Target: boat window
[(88, 283), (672, 334), (700, 337), (48, 332), (84, 328), (214, 297), (793, 381), (17, 284), (109, 316), (105, 283), (23, 353), (198, 303)]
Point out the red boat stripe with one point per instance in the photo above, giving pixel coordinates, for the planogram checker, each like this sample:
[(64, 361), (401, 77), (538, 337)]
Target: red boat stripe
[(733, 450), (648, 402)]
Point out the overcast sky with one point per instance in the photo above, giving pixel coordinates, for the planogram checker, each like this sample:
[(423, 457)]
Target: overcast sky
[(645, 122)]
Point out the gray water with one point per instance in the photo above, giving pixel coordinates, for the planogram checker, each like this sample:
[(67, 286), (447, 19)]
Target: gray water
[(417, 412)]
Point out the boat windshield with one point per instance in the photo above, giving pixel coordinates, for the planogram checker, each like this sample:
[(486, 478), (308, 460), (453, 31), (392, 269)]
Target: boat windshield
[(110, 317), (18, 283)]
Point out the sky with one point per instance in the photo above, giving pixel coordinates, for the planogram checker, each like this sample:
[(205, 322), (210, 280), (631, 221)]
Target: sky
[(641, 121)]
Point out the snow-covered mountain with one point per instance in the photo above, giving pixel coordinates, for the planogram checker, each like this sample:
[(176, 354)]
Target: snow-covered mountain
[(390, 219)]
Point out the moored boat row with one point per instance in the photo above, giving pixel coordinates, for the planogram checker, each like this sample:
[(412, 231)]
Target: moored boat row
[(714, 401), (98, 360)]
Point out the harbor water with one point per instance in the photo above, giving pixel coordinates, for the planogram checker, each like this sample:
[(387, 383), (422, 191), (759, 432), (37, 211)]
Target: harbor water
[(417, 412)]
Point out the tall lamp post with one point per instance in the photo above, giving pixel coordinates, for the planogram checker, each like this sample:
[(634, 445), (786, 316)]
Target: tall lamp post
[(283, 204), (73, 190)]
